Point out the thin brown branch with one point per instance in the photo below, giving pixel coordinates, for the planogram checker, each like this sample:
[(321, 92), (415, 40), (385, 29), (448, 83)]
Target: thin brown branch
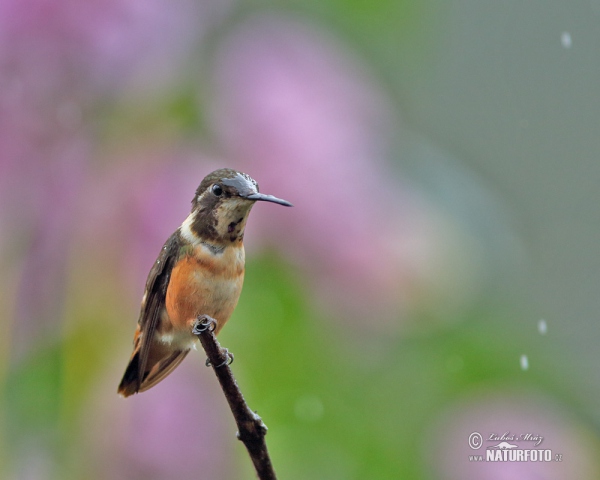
[(251, 429)]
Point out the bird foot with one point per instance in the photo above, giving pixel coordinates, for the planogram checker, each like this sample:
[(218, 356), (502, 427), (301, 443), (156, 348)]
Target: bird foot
[(228, 360), (204, 323)]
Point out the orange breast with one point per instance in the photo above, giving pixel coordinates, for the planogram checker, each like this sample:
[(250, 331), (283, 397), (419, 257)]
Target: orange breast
[(205, 284)]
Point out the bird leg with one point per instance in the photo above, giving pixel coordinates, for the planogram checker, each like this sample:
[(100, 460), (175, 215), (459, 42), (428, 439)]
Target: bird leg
[(228, 361), (205, 323)]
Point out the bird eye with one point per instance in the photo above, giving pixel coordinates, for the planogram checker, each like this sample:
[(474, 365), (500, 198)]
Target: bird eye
[(217, 190)]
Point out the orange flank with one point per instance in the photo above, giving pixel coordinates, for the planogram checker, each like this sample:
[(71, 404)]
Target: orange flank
[(205, 284)]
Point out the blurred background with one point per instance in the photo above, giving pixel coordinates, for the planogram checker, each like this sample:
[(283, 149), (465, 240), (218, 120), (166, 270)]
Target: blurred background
[(438, 275)]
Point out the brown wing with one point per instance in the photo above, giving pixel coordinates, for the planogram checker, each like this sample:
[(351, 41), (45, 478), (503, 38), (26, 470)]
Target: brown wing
[(151, 361)]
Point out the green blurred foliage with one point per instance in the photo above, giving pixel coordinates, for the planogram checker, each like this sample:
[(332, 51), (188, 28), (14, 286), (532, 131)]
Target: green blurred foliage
[(34, 392), (346, 405)]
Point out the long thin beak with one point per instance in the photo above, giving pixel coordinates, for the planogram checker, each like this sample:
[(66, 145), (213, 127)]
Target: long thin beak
[(268, 198)]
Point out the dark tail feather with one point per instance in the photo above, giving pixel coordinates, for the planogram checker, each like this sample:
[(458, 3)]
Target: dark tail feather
[(131, 382)]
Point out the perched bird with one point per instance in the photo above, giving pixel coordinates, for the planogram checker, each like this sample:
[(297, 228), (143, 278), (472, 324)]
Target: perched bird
[(200, 271)]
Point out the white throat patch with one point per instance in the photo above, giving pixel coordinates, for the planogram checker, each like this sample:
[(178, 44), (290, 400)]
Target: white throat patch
[(186, 230)]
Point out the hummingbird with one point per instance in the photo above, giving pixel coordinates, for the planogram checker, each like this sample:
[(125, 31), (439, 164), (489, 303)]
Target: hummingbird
[(199, 271)]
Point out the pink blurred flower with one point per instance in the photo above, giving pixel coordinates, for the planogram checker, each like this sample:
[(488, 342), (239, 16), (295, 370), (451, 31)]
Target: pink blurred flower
[(55, 184), (44, 155), (104, 43), (310, 125), (500, 412)]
